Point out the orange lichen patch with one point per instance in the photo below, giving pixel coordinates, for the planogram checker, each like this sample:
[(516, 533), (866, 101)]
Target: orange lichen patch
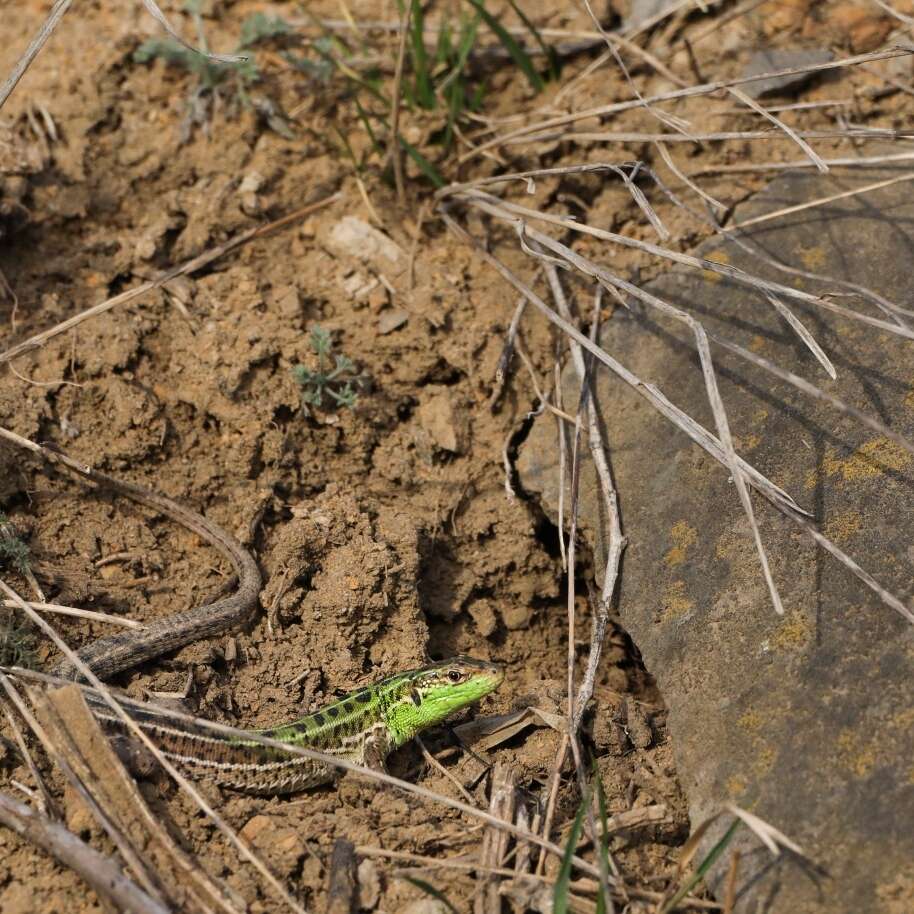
[(715, 257), (897, 896), (903, 721), (675, 602), (870, 460), (856, 757), (746, 442), (683, 536), (792, 635), (843, 526), (813, 258), (909, 399), (751, 720), (736, 785), (764, 761)]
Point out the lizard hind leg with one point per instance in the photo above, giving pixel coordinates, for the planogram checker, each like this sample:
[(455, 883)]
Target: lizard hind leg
[(376, 749)]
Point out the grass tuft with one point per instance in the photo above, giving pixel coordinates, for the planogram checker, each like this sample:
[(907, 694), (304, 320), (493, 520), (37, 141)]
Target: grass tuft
[(14, 553), (520, 57), (17, 642), (440, 84)]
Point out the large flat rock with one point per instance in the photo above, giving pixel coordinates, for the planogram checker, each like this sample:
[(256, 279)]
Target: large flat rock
[(806, 719)]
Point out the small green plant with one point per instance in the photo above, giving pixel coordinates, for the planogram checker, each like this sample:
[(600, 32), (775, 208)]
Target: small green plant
[(212, 75), (14, 553), (335, 376), (17, 642)]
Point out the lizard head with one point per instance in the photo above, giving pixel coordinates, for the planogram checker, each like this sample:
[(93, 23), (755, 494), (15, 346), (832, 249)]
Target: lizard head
[(427, 697)]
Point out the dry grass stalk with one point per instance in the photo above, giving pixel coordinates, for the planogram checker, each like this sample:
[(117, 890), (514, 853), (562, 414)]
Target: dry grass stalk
[(690, 92), (80, 740), (840, 162), (102, 874), (615, 542), (75, 612), (811, 154), (44, 728), (502, 805), (46, 804), (517, 215), (94, 770), (434, 763)]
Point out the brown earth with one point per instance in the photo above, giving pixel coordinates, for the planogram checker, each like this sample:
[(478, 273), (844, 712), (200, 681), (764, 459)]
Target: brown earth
[(384, 531)]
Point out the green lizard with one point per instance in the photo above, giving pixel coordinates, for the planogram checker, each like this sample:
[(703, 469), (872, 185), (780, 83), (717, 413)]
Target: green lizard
[(362, 727)]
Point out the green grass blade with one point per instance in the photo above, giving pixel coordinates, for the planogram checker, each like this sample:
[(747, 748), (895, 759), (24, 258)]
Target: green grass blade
[(429, 889), (366, 123), (702, 869), (425, 166), (548, 52), (604, 835), (518, 54), (444, 47), (425, 92), (467, 39), (347, 147), (350, 74), (560, 897)]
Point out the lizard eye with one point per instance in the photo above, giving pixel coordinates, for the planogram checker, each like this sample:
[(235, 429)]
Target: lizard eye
[(454, 675)]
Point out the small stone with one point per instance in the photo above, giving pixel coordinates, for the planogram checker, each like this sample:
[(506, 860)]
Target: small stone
[(251, 183), (392, 320), (253, 828), (369, 885), (637, 724), (608, 735), (247, 190), (281, 844), (250, 204), (145, 248), (770, 59), (483, 615), (441, 422), (358, 239), (287, 302), (516, 617), (107, 572)]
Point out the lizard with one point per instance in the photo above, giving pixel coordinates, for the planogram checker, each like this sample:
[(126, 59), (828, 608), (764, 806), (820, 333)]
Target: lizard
[(363, 727)]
